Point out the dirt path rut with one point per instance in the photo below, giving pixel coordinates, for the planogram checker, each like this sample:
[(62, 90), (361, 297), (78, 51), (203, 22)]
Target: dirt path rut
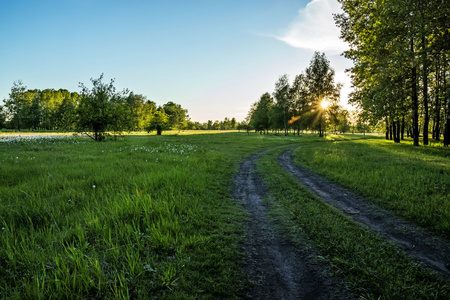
[(432, 250), (277, 270)]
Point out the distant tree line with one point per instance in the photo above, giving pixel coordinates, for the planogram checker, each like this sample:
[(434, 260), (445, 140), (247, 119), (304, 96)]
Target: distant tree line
[(96, 111), (401, 74), (310, 102), (226, 124)]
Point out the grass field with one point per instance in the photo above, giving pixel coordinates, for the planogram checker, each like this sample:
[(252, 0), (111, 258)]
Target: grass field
[(149, 216), (136, 217)]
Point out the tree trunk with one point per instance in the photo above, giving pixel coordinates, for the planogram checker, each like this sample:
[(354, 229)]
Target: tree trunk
[(394, 131), (425, 91), (447, 124), (403, 128), (433, 130), (437, 112), (414, 100), (447, 110), (437, 126), (387, 129), (390, 132)]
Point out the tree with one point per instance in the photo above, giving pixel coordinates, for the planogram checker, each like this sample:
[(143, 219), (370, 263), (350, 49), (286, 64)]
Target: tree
[(233, 123), (319, 80), (35, 111), (259, 114), (280, 110), (100, 109), (158, 122), (15, 105), (300, 105), (178, 116), (148, 110), (2, 116), (65, 115), (396, 45), (141, 110)]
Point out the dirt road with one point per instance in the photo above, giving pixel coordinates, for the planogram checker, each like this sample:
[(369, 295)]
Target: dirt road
[(275, 266), (429, 249)]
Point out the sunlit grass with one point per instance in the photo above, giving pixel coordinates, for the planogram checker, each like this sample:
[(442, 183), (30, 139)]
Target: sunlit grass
[(138, 217), (187, 132)]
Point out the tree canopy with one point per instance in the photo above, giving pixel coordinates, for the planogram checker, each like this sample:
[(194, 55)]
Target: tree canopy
[(102, 109), (299, 105), (97, 111), (400, 50)]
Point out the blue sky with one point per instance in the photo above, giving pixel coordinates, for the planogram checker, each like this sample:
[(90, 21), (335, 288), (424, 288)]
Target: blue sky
[(215, 58)]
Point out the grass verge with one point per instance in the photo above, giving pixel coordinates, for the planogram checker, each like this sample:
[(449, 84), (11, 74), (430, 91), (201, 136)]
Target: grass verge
[(413, 182), (373, 267)]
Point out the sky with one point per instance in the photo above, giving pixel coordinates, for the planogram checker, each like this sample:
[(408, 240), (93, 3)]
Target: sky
[(215, 58)]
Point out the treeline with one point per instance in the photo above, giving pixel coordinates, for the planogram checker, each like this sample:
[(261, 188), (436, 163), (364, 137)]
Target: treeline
[(95, 111), (63, 110), (310, 102), (401, 73), (226, 124)]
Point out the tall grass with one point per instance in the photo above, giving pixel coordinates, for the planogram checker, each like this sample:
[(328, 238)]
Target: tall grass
[(139, 217), (142, 217)]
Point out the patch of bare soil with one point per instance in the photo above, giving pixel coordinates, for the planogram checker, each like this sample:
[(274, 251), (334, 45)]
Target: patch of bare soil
[(275, 266), (427, 248)]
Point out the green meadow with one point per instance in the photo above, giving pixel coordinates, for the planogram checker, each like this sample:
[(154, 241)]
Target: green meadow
[(152, 217)]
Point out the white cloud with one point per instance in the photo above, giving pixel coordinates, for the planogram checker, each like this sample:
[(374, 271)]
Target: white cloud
[(314, 28)]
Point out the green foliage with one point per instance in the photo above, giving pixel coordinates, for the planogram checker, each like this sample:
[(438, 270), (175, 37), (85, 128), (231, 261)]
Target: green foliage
[(259, 113), (298, 105), (15, 105), (59, 109), (177, 116), (101, 109), (279, 113), (2, 116), (158, 122), (319, 81), (399, 49), (140, 109)]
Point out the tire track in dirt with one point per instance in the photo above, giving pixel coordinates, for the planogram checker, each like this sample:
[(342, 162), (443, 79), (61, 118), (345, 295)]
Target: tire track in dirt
[(432, 250), (275, 267)]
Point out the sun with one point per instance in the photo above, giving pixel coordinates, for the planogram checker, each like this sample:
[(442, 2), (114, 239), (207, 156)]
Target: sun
[(324, 104)]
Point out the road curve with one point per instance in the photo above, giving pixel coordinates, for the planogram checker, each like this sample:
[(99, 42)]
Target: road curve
[(431, 250)]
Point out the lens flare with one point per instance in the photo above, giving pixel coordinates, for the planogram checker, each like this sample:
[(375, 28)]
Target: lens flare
[(293, 119)]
